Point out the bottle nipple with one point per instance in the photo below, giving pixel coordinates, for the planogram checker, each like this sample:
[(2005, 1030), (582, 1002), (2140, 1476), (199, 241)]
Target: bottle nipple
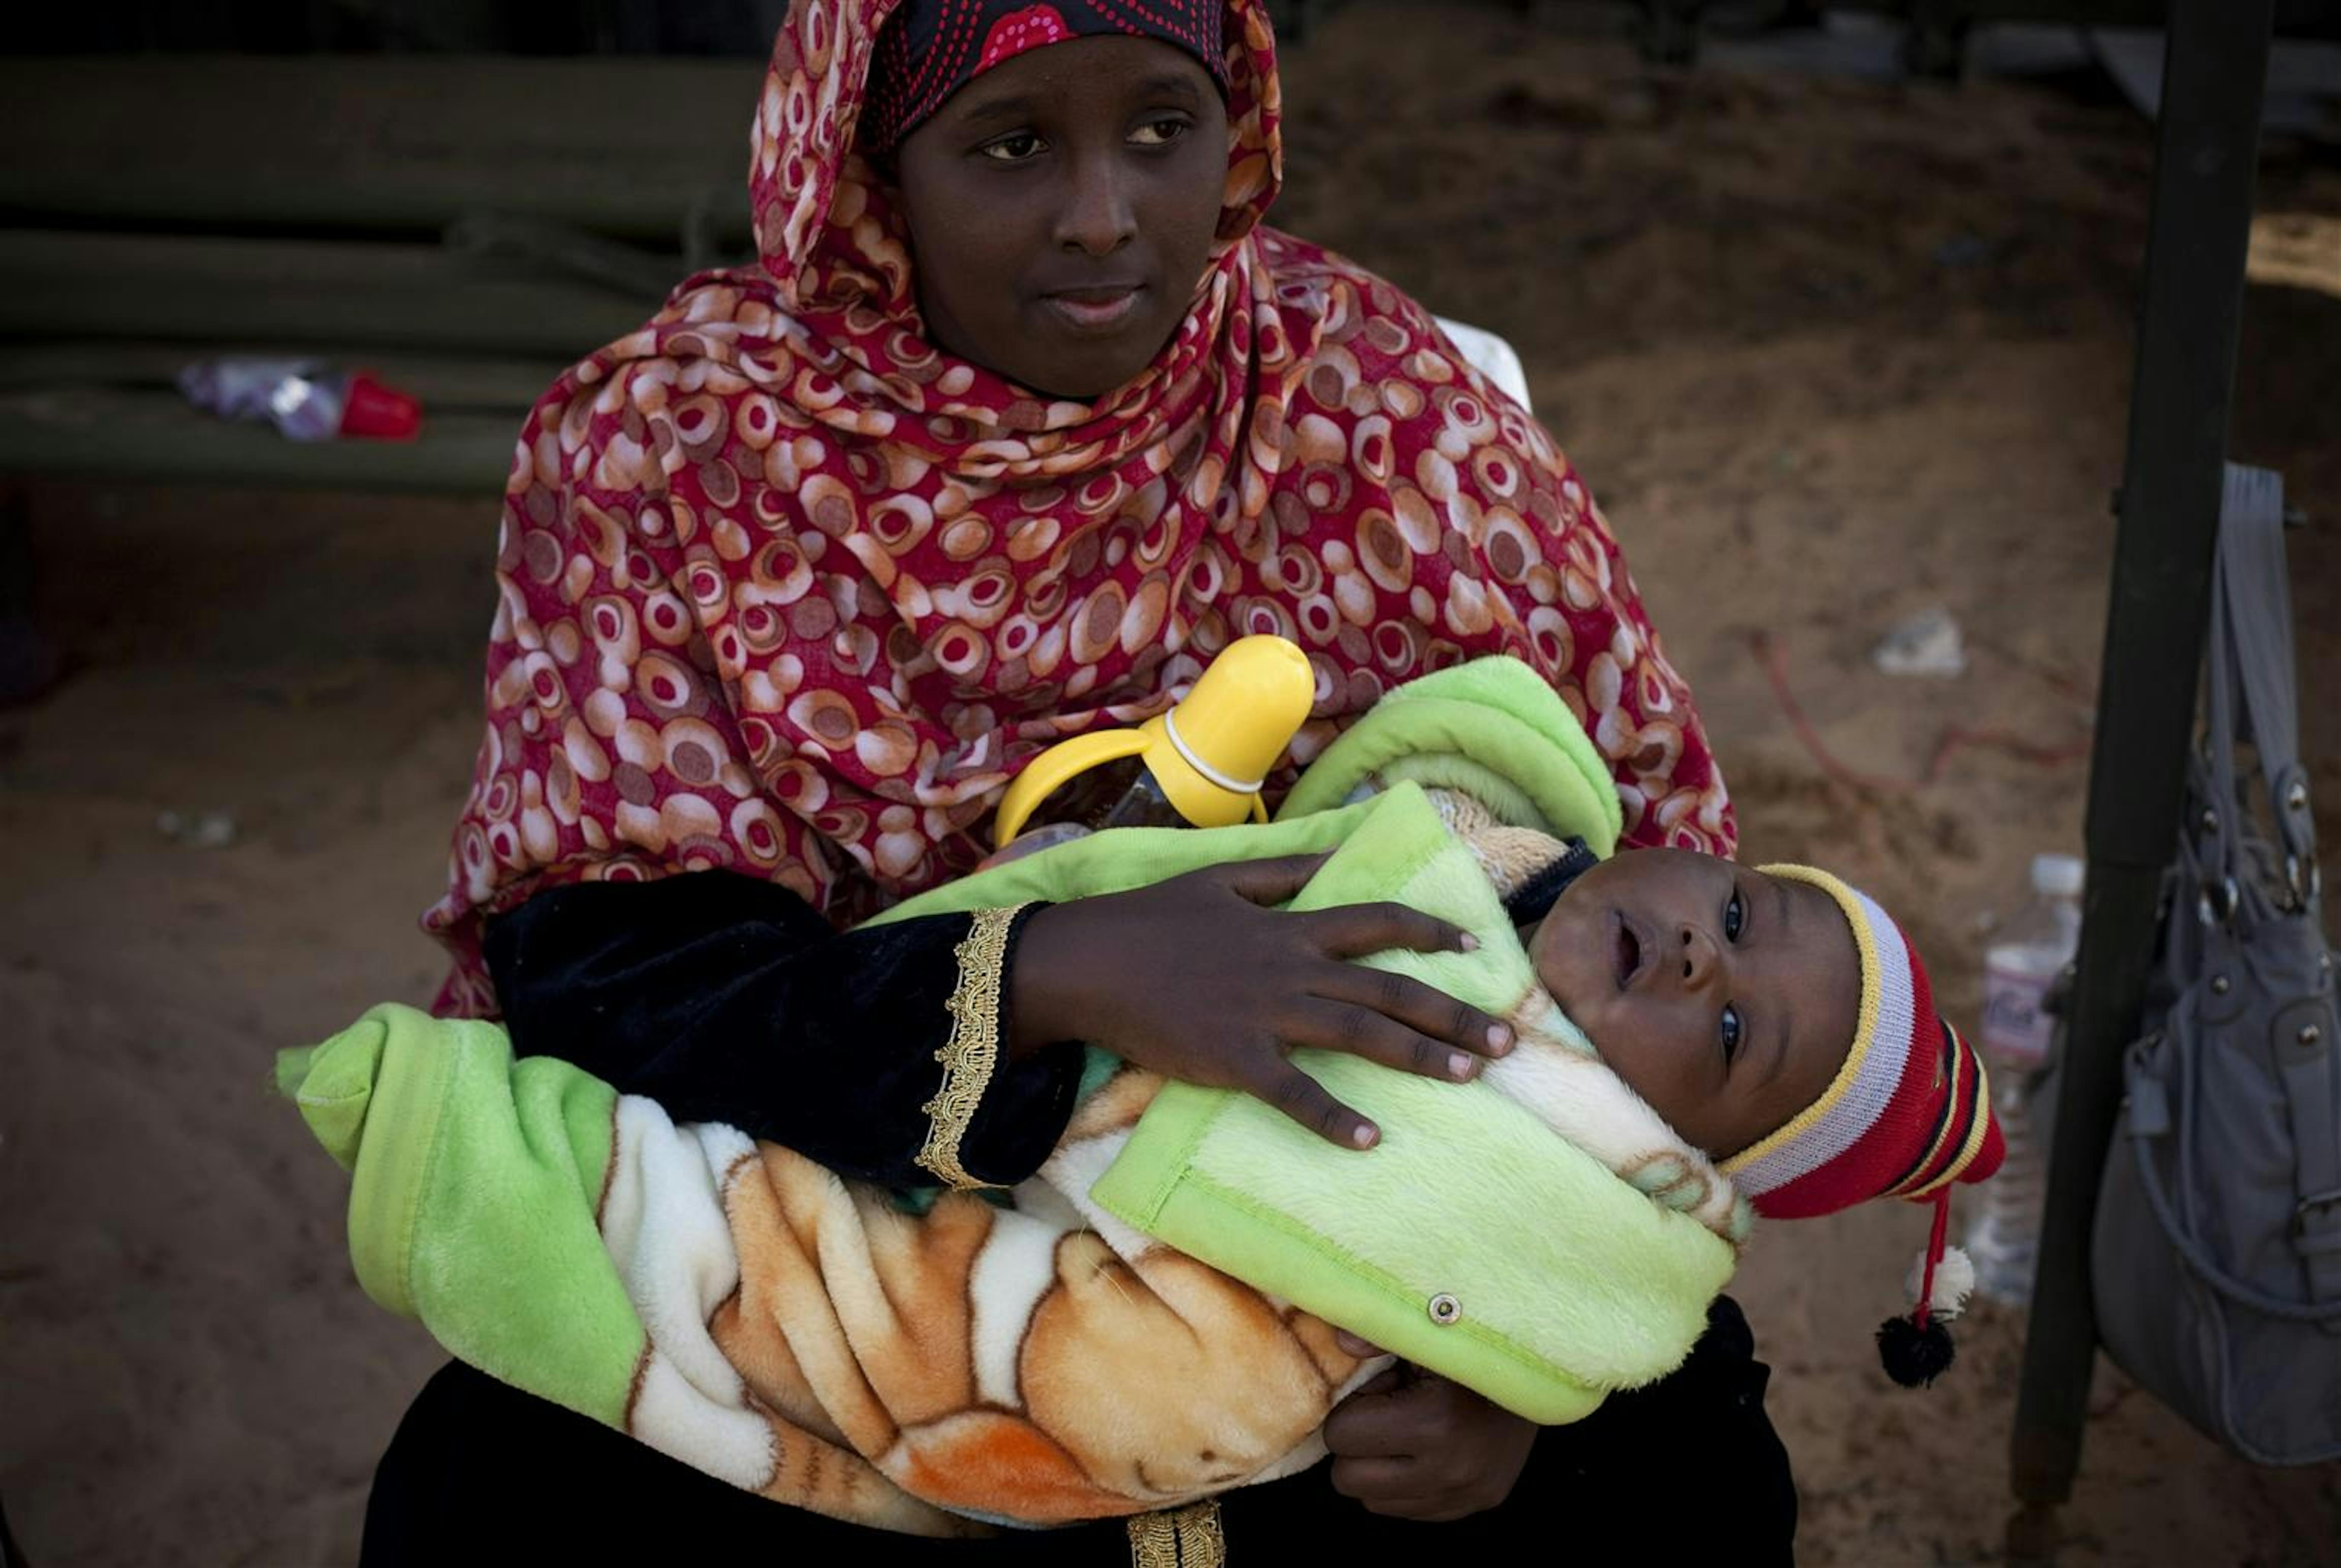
[(1210, 753)]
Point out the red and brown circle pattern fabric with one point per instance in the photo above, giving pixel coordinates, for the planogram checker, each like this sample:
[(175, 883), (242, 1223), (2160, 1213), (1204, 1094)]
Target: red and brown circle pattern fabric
[(787, 591)]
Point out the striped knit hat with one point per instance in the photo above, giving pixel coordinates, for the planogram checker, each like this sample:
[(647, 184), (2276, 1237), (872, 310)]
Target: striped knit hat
[(1907, 1116)]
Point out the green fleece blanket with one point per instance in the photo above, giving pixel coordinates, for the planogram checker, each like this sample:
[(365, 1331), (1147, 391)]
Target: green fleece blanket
[(1147, 1322)]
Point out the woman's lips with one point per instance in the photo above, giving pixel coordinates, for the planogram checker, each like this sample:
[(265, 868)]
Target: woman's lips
[(1100, 310), (1629, 952)]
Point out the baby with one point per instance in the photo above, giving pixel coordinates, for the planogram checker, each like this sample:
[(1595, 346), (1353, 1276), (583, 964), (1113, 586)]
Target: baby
[(935, 1368)]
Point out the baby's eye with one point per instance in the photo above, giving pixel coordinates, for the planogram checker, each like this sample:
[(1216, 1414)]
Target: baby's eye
[(1160, 133), (1734, 915), (1013, 148), (1731, 1030)]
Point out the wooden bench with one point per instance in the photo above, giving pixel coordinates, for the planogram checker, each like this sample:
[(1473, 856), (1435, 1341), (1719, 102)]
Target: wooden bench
[(464, 226)]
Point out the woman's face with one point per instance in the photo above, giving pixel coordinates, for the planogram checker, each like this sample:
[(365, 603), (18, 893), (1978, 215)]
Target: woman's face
[(1061, 209)]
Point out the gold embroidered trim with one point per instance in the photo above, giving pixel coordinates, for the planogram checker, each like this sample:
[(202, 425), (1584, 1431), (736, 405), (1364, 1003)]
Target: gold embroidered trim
[(973, 1050), (1188, 1537)]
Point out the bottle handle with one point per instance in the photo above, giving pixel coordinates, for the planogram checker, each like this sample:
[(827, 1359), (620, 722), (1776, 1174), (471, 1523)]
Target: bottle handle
[(1046, 773)]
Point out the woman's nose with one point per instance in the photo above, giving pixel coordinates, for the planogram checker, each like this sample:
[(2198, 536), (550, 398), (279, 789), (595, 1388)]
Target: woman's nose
[(1699, 958), (1098, 216)]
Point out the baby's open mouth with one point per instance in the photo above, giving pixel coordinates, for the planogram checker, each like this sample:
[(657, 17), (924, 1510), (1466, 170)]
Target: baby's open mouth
[(1625, 949)]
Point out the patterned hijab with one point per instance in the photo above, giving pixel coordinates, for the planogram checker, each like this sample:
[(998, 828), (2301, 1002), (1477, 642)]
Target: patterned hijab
[(788, 592)]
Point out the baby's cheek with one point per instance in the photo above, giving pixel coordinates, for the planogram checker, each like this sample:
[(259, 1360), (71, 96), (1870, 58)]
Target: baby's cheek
[(1564, 970), (1619, 1047), (1657, 1069), (1554, 979)]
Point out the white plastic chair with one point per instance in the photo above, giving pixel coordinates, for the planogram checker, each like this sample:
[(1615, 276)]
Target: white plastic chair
[(1491, 356)]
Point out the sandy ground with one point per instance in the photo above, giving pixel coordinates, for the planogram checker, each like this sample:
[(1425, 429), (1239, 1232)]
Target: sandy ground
[(1830, 353)]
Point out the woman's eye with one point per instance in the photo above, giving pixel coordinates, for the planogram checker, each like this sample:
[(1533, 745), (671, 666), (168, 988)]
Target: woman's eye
[(1731, 1030), (1734, 915), (1013, 148), (1158, 133)]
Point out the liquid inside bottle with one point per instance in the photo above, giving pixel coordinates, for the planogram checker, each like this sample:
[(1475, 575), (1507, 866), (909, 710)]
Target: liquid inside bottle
[(1118, 794), (1143, 804)]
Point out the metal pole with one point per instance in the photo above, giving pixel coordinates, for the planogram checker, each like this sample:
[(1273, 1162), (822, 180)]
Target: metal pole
[(2206, 148)]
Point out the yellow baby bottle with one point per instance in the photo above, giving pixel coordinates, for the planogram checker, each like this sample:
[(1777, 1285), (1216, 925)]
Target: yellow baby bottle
[(1199, 764)]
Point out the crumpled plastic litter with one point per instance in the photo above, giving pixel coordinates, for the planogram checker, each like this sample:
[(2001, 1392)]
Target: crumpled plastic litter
[(1926, 645)]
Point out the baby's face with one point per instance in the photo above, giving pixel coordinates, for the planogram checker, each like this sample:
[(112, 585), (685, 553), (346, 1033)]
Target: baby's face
[(1724, 997)]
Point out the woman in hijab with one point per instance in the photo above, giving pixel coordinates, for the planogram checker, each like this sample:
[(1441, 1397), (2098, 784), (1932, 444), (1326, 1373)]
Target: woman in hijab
[(1023, 416)]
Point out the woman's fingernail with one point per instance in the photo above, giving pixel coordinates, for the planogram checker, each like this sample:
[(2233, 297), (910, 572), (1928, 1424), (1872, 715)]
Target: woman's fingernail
[(1469, 944), (1500, 1038), (1459, 1065), (1362, 1134)]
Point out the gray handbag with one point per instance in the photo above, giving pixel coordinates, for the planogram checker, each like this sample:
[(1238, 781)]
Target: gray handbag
[(2215, 1261)]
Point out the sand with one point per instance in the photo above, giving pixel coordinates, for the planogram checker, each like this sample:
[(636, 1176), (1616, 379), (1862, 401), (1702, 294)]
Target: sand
[(1831, 353)]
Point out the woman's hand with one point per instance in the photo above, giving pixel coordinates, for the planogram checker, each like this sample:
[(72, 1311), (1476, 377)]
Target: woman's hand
[(1197, 978), (1414, 1445)]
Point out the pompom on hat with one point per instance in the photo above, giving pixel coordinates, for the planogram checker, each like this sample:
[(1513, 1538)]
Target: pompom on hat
[(1907, 1116)]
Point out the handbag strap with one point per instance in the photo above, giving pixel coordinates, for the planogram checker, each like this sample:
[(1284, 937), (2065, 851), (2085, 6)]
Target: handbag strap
[(2253, 691), (2252, 699)]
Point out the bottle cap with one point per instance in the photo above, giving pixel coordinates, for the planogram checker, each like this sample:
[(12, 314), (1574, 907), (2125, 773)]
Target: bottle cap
[(2058, 876), (379, 412), (1209, 754)]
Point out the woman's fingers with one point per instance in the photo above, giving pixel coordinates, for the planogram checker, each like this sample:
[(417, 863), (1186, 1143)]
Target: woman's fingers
[(1378, 1421), (1308, 1102), (1426, 1011), (1268, 882), (1280, 984), (1387, 1479), (1354, 930), (1360, 1031)]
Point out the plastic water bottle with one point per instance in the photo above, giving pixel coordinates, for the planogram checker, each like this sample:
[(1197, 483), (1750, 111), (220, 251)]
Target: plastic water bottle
[(2019, 968), (305, 400)]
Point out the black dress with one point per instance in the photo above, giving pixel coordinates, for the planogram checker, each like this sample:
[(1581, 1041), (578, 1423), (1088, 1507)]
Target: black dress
[(728, 998)]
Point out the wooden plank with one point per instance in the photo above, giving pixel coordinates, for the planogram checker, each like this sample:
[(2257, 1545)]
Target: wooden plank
[(379, 143), (445, 383), (61, 284), (93, 433)]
